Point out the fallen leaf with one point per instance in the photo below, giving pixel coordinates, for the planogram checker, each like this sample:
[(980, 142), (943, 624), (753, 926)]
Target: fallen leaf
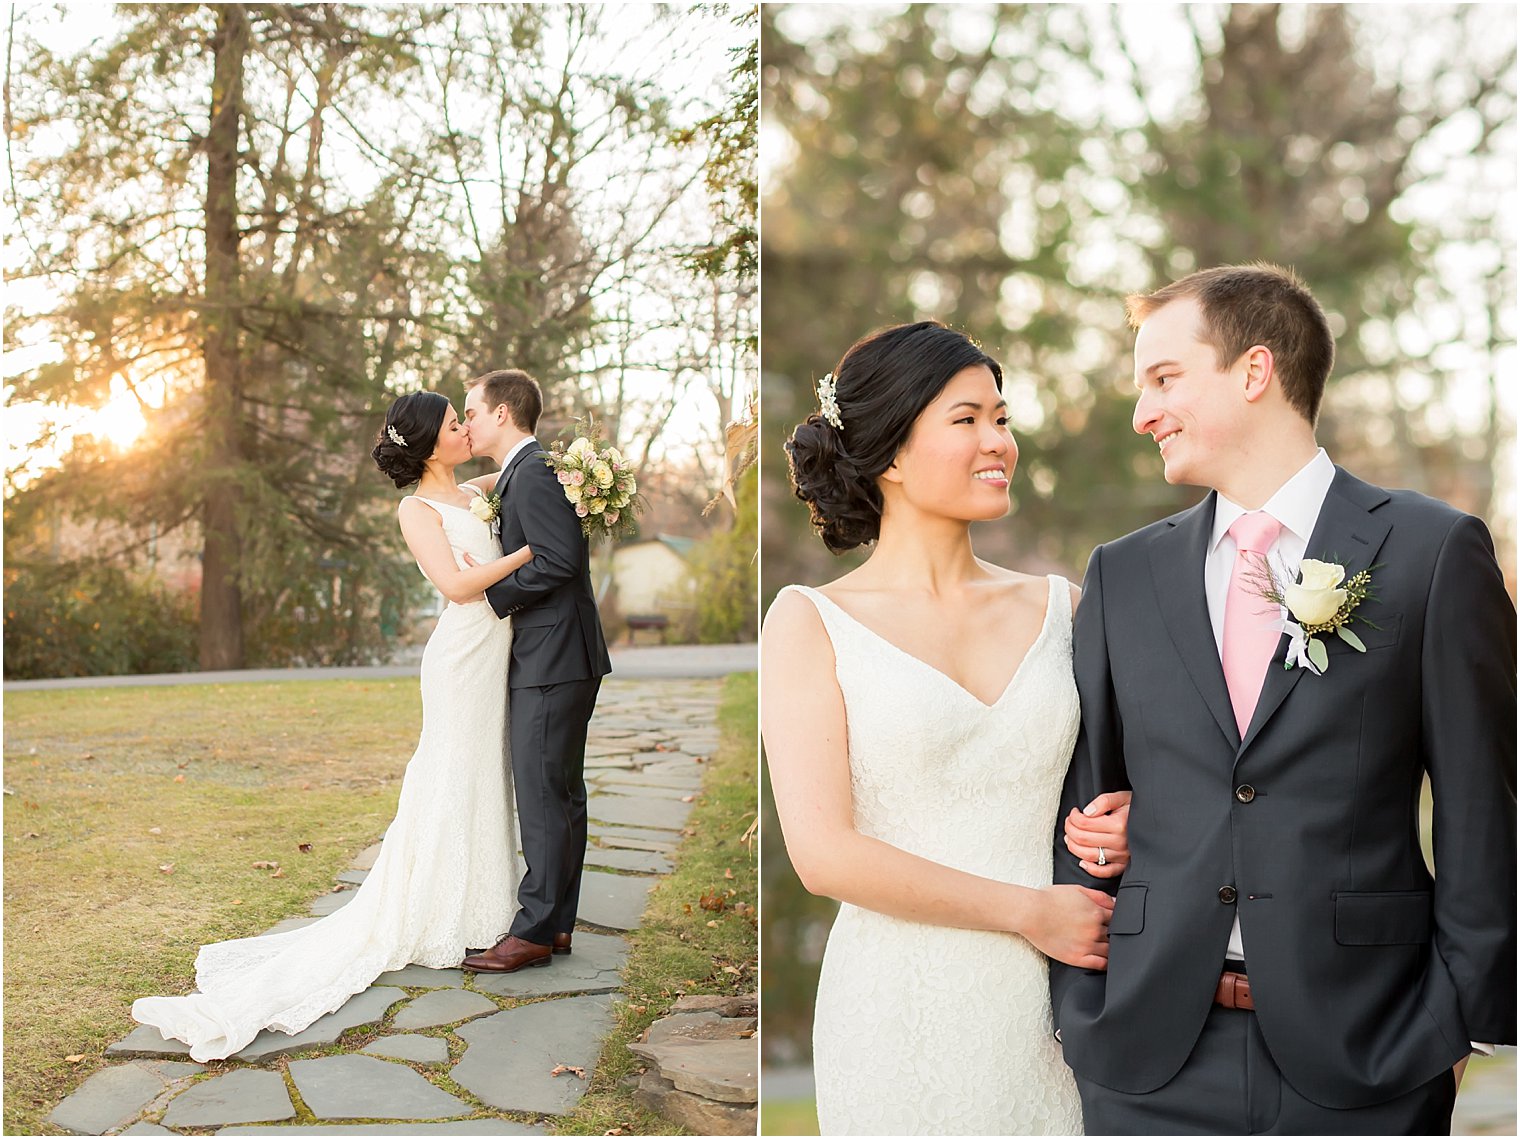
[(561, 1069), (278, 874), (686, 906), (728, 873), (304, 847), (266, 865), (715, 902), (713, 924), (179, 779), (155, 830), (166, 868), (746, 1034), (731, 969), (306, 787), (74, 1059), (237, 901), (34, 834), (88, 755)]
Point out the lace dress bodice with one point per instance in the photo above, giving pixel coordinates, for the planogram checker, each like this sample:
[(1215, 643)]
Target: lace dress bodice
[(924, 1029)]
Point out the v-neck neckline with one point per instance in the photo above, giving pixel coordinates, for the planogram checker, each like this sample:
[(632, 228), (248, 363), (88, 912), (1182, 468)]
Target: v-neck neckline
[(946, 677)]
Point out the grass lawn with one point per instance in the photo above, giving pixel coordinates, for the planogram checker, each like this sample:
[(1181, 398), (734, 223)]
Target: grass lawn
[(133, 817), (789, 1117), (682, 948)]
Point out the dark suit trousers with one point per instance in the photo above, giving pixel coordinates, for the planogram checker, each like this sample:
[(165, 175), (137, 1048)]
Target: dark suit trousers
[(548, 773), (1230, 1086)]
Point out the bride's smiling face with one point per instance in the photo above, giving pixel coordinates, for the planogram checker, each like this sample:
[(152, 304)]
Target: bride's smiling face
[(453, 446), (959, 456)]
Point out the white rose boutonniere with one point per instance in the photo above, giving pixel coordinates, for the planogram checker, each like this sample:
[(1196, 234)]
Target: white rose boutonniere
[(1323, 600), (487, 507)]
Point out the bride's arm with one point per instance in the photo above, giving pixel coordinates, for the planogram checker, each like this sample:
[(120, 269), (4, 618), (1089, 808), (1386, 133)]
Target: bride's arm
[(423, 531), (486, 484), (803, 725)]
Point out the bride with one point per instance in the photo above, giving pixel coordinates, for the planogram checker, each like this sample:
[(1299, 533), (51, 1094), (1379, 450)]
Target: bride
[(918, 718), (447, 871)]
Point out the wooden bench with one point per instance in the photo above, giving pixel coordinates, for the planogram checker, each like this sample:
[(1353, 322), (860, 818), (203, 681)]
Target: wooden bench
[(637, 622)]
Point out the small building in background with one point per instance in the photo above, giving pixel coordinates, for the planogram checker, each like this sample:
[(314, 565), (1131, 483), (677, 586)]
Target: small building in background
[(650, 587)]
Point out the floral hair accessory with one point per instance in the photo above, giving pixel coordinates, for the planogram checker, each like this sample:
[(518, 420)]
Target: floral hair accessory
[(828, 406), (395, 436)]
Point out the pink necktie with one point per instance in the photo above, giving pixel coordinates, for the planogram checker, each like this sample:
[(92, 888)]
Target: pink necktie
[(1248, 636)]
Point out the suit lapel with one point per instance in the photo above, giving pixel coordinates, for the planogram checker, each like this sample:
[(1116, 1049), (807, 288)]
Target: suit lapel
[(1177, 559), (1347, 532), (517, 461)]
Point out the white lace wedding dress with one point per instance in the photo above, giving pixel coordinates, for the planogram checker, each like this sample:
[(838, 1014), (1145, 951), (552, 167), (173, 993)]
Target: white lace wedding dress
[(923, 1029), (446, 876)]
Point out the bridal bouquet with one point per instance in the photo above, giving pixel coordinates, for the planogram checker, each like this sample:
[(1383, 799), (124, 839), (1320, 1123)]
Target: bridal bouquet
[(599, 483)]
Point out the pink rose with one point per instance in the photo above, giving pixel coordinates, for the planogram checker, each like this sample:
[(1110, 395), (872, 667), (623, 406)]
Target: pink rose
[(564, 478), (611, 516), (577, 478), (580, 510)]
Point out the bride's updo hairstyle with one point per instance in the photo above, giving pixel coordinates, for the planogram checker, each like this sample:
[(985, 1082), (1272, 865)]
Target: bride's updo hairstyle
[(416, 418), (881, 386)]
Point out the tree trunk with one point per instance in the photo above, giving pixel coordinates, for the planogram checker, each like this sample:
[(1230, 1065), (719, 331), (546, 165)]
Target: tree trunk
[(221, 625)]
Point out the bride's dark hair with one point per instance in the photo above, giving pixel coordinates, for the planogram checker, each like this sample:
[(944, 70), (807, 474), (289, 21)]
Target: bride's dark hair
[(417, 418), (882, 384)]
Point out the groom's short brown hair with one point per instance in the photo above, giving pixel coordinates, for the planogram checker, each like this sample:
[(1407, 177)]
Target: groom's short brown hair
[(1247, 305), (515, 388)]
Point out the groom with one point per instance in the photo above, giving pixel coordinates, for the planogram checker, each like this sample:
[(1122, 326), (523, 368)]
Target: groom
[(1280, 961), (558, 660)]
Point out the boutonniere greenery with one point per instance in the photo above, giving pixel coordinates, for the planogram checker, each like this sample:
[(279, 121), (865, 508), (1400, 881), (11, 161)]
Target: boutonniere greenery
[(1323, 600)]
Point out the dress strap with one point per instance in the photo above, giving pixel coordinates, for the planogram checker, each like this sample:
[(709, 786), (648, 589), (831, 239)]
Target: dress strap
[(437, 506), (829, 612)]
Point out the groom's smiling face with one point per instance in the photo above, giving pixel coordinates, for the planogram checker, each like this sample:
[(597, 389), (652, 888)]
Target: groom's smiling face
[(1191, 407)]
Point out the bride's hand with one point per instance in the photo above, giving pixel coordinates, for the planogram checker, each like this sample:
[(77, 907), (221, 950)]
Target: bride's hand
[(1070, 924), (1103, 823), (469, 561)]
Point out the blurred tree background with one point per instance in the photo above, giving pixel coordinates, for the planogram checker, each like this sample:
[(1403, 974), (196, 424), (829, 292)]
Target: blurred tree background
[(240, 231), (1017, 170)]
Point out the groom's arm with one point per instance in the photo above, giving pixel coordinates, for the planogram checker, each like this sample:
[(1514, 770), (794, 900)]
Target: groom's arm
[(1468, 691), (550, 528), (1097, 762)]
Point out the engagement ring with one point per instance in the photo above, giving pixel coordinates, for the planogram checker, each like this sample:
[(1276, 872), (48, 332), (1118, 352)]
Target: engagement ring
[(1102, 857)]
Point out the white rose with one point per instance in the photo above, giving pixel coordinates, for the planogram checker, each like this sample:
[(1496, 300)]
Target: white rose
[(1315, 599), (602, 473), (481, 509), (613, 455), (597, 505), (573, 493), (580, 448)]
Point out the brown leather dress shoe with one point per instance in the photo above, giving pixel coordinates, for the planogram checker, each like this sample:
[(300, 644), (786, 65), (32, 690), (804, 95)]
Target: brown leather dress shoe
[(562, 943), (508, 956)]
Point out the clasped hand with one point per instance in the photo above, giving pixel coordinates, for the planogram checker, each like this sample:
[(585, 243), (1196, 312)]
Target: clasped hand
[(1099, 834)]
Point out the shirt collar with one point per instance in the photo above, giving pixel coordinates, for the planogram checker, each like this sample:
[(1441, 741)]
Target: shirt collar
[(520, 445), (1296, 504)]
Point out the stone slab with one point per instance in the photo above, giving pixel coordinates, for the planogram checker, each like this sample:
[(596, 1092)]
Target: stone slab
[(367, 1007), (116, 1095), (668, 780), (593, 967), (610, 762), (289, 924), (639, 791), (644, 861), (145, 1040), (442, 1006), (418, 1049), (366, 859), (458, 1127), (613, 901), (353, 877), (362, 1087), (697, 1114), (722, 1070), (638, 811), (147, 1129), (619, 842), (332, 903), (669, 759), (421, 977), (613, 833), (510, 1055), (245, 1096)]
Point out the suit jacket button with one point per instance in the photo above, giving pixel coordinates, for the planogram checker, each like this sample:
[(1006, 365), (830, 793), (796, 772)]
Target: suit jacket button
[(1245, 792), (1227, 895)]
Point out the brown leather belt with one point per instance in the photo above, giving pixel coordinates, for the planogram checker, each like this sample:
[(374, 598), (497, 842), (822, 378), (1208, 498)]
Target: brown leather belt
[(1234, 991)]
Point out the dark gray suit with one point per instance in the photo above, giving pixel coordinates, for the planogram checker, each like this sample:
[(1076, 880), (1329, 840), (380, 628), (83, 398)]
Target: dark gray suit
[(559, 656), (1369, 978)]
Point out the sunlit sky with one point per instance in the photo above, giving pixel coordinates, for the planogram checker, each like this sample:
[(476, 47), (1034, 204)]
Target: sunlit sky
[(690, 60)]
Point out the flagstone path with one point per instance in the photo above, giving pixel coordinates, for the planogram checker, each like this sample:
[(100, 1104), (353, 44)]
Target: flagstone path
[(441, 1051)]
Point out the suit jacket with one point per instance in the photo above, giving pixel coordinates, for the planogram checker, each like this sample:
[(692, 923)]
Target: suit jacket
[(556, 633), (1368, 976)]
